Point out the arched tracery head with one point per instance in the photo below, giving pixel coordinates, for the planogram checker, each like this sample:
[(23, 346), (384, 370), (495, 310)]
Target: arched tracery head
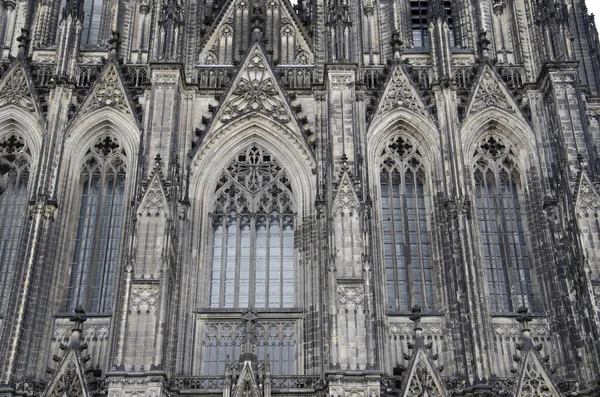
[(401, 154), (14, 144), (253, 182), (494, 157), (404, 207)]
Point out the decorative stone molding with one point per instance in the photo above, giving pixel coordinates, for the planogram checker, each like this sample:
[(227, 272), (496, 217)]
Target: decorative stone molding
[(255, 90), (143, 298), (400, 93), (154, 202), (489, 93), (350, 296), (340, 81), (345, 199), (108, 91), (14, 90)]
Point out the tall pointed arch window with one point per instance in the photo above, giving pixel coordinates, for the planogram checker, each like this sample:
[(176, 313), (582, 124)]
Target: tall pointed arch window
[(102, 198), (13, 209), (406, 237), (253, 234), (91, 22), (498, 200)]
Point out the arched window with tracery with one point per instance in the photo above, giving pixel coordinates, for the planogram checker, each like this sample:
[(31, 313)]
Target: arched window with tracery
[(13, 209), (102, 199), (406, 237), (253, 234), (498, 200)]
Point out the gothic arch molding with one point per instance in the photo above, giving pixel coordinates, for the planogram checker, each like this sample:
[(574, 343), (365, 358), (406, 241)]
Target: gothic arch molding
[(18, 120), (102, 120), (515, 131), (421, 130), (218, 150), (79, 138)]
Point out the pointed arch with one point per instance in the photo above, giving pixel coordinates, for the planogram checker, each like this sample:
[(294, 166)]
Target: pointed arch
[(26, 124), (83, 133), (403, 150), (20, 135), (422, 131), (279, 140), (515, 130), (101, 156)]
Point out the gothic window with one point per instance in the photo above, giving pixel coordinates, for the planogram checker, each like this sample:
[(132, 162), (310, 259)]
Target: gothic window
[(420, 21), (406, 239), (253, 234), (275, 341), (498, 200), (102, 197), (13, 207), (91, 22)]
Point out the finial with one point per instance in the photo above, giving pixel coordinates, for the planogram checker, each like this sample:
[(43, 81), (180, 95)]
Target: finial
[(524, 318), (23, 40), (114, 42)]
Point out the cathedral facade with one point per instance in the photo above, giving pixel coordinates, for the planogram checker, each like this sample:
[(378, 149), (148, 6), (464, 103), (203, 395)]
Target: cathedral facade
[(299, 198)]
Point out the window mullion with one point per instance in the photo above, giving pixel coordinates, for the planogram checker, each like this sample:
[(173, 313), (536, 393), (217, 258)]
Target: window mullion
[(406, 242), (423, 286), (506, 260), (252, 267), (224, 237)]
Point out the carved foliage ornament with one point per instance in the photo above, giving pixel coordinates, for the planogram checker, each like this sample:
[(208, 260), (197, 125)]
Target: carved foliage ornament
[(350, 295), (154, 201), (346, 199), (108, 92), (68, 384), (400, 94), (489, 94), (16, 91), (144, 297), (422, 382), (256, 91)]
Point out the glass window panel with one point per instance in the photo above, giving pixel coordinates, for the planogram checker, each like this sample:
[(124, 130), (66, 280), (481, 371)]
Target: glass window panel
[(263, 255), (405, 232), (13, 206), (504, 246), (99, 228)]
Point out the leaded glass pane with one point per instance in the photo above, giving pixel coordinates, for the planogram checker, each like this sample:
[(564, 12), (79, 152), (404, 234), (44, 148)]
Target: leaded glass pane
[(253, 264), (13, 207), (98, 229), (91, 22), (505, 251), (406, 242)]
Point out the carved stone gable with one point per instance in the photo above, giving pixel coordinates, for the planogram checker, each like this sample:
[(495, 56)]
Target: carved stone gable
[(588, 201), (400, 93), (246, 384), (154, 202), (255, 90), (422, 379), (15, 89), (346, 199), (69, 379), (534, 380), (108, 91), (490, 92)]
